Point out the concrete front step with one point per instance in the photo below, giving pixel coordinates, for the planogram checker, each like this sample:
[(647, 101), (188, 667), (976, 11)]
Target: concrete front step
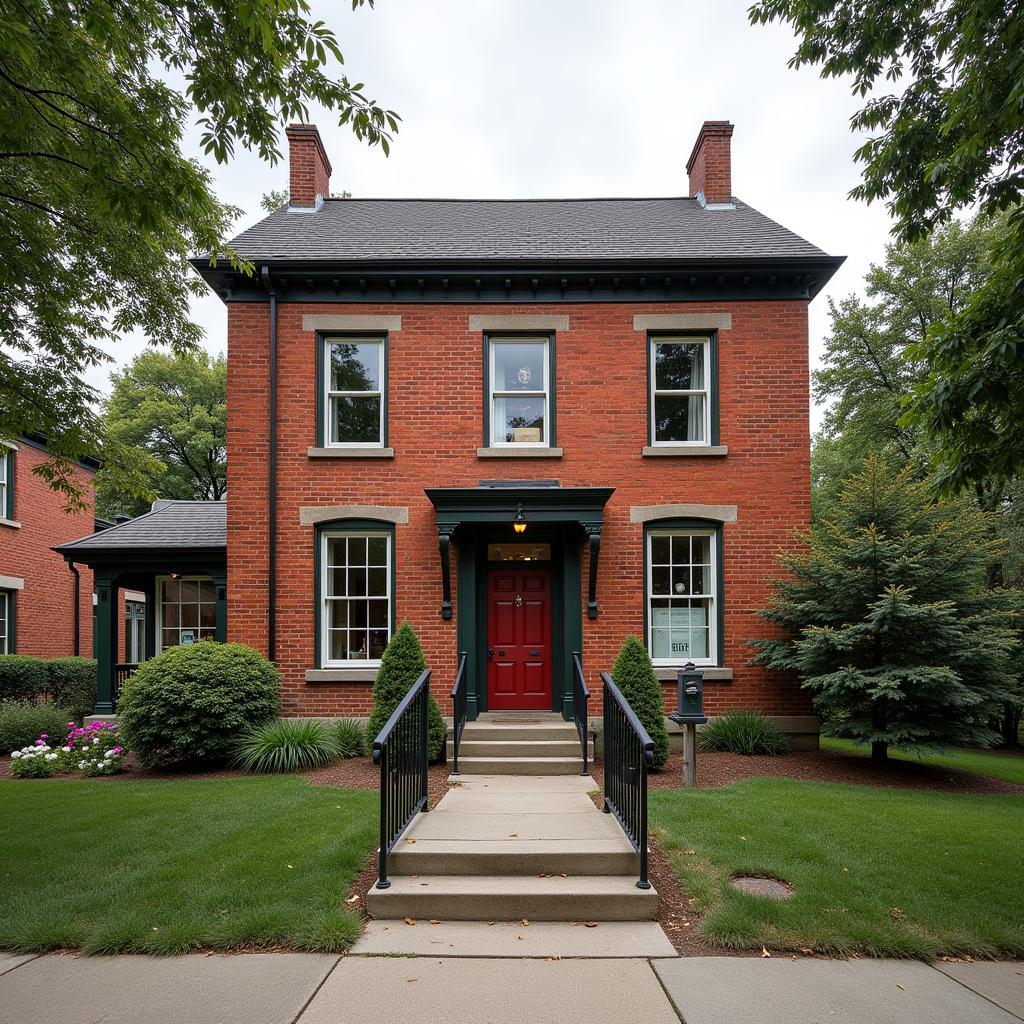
[(507, 857), (513, 731), (484, 898), (517, 748), (504, 765)]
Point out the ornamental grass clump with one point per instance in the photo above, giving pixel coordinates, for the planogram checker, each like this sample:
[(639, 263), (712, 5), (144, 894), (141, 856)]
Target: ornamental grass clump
[(634, 676), (286, 745), (742, 732), (351, 737)]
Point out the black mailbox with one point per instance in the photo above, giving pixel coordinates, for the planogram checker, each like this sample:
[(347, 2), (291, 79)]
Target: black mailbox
[(690, 697)]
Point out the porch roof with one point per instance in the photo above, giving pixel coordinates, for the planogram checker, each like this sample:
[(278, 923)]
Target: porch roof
[(499, 502)]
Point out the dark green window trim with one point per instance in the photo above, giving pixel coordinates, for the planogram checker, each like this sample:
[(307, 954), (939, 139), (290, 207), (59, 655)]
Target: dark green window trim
[(549, 337), (8, 510), (12, 601), (348, 526), (653, 336), (324, 338), (682, 526)]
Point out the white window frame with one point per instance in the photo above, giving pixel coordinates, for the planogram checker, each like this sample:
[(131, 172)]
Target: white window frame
[(158, 640), (4, 455), (5, 618), (526, 339), (324, 598), (712, 597), (681, 339), (329, 395), (134, 631)]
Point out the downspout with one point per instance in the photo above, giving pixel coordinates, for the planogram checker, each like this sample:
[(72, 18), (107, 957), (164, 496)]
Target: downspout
[(272, 473), (76, 643)]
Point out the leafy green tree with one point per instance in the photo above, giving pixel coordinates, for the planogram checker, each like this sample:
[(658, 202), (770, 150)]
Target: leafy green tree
[(888, 618), (401, 664), (100, 210), (634, 675), (175, 409), (943, 85)]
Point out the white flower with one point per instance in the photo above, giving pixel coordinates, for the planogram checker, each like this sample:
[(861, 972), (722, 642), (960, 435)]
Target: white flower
[(83, 764), (95, 739), (109, 753), (51, 757), (67, 750), (15, 753)]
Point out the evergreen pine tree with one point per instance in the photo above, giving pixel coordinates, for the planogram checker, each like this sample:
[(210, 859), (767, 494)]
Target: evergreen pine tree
[(400, 666), (887, 619), (634, 675)]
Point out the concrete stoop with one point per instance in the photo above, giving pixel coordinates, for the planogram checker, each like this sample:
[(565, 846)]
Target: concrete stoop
[(520, 745)]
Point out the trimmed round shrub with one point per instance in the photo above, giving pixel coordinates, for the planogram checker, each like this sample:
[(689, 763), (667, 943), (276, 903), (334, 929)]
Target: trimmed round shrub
[(191, 704), (351, 737), (634, 675), (22, 722), (742, 732), (286, 745), (400, 666), (22, 677), (71, 683)]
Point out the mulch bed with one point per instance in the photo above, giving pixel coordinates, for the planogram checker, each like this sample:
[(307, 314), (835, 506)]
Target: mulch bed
[(716, 770)]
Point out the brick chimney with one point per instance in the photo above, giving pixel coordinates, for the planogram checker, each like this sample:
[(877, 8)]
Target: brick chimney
[(308, 166), (710, 164)]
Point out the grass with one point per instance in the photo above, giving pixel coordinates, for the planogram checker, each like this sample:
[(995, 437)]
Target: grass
[(169, 867), (886, 872), (985, 762)]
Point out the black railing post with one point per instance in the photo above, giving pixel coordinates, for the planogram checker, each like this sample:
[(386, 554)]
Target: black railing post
[(458, 710), (425, 745), (580, 705), (382, 852)]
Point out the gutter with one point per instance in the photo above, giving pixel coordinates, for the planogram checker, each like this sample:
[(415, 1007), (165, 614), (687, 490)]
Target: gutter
[(268, 284), (76, 642)]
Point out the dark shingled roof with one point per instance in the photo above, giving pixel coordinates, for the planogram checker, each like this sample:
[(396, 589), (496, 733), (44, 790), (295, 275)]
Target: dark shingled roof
[(184, 525), (539, 230)]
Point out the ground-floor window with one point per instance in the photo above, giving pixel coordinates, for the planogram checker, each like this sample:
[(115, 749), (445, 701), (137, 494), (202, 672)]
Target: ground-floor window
[(682, 596), (6, 622), (355, 596), (134, 631), (186, 611)]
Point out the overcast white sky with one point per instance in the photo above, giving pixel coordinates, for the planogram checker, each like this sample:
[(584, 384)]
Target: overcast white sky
[(543, 98)]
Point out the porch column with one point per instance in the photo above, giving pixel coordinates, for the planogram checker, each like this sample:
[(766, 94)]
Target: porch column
[(151, 619), (220, 585), (106, 642)]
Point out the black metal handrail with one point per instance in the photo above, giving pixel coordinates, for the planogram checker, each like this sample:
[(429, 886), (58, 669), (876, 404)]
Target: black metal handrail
[(628, 752), (580, 697), (401, 751), (121, 673), (458, 711)]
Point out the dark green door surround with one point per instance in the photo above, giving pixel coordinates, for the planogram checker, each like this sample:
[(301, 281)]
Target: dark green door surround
[(564, 517)]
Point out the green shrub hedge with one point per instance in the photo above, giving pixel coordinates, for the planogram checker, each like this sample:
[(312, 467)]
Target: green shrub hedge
[(192, 704), (634, 676), (22, 722), (69, 682)]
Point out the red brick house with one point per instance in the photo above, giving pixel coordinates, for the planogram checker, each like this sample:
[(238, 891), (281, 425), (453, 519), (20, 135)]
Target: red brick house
[(410, 380), (45, 608)]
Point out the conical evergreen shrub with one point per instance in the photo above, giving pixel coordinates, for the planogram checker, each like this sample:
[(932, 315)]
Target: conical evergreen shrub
[(634, 675), (400, 666)]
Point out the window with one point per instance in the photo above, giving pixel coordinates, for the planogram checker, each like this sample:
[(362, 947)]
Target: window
[(6, 482), (355, 387), (187, 611), (682, 596), (6, 622), (135, 632), (680, 375), (519, 402), (518, 552), (355, 596)]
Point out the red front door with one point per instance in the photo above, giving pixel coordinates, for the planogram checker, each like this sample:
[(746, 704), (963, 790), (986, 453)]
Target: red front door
[(519, 640)]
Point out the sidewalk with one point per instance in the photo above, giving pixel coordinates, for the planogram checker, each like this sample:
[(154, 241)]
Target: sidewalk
[(297, 988)]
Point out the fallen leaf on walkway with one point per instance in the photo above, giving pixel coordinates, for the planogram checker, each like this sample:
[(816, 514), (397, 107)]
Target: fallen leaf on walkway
[(513, 835), (554, 957), (409, 920), (764, 951), (563, 875), (410, 841), (354, 899), (544, 874), (489, 924), (807, 952), (519, 937), (410, 979), (434, 920), (589, 924), (525, 923), (903, 987)]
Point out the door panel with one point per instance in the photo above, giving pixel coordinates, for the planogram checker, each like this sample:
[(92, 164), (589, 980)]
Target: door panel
[(519, 640)]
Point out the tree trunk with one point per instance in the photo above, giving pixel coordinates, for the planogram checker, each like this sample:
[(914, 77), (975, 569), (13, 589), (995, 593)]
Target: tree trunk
[(1010, 727), (879, 752)]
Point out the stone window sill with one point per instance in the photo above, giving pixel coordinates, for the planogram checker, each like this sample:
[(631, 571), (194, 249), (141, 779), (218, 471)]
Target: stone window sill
[(341, 675), (519, 453), (667, 674), (13, 524), (684, 450), (350, 453)]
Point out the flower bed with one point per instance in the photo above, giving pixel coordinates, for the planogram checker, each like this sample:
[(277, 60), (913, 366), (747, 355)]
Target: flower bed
[(92, 750)]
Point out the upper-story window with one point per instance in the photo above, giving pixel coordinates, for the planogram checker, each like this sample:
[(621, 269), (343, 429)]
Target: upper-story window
[(681, 393), (520, 399), (6, 482), (355, 389)]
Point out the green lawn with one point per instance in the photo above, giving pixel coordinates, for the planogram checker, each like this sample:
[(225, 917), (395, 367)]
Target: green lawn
[(886, 872), (984, 762), (166, 867)]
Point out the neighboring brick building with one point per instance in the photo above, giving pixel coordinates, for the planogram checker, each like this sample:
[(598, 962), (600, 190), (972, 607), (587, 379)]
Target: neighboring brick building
[(39, 594), (628, 377)]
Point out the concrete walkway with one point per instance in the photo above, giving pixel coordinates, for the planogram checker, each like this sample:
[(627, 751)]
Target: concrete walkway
[(297, 988)]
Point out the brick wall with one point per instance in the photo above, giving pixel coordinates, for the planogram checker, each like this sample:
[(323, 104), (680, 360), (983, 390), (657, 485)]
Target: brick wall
[(435, 410), (45, 616)]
